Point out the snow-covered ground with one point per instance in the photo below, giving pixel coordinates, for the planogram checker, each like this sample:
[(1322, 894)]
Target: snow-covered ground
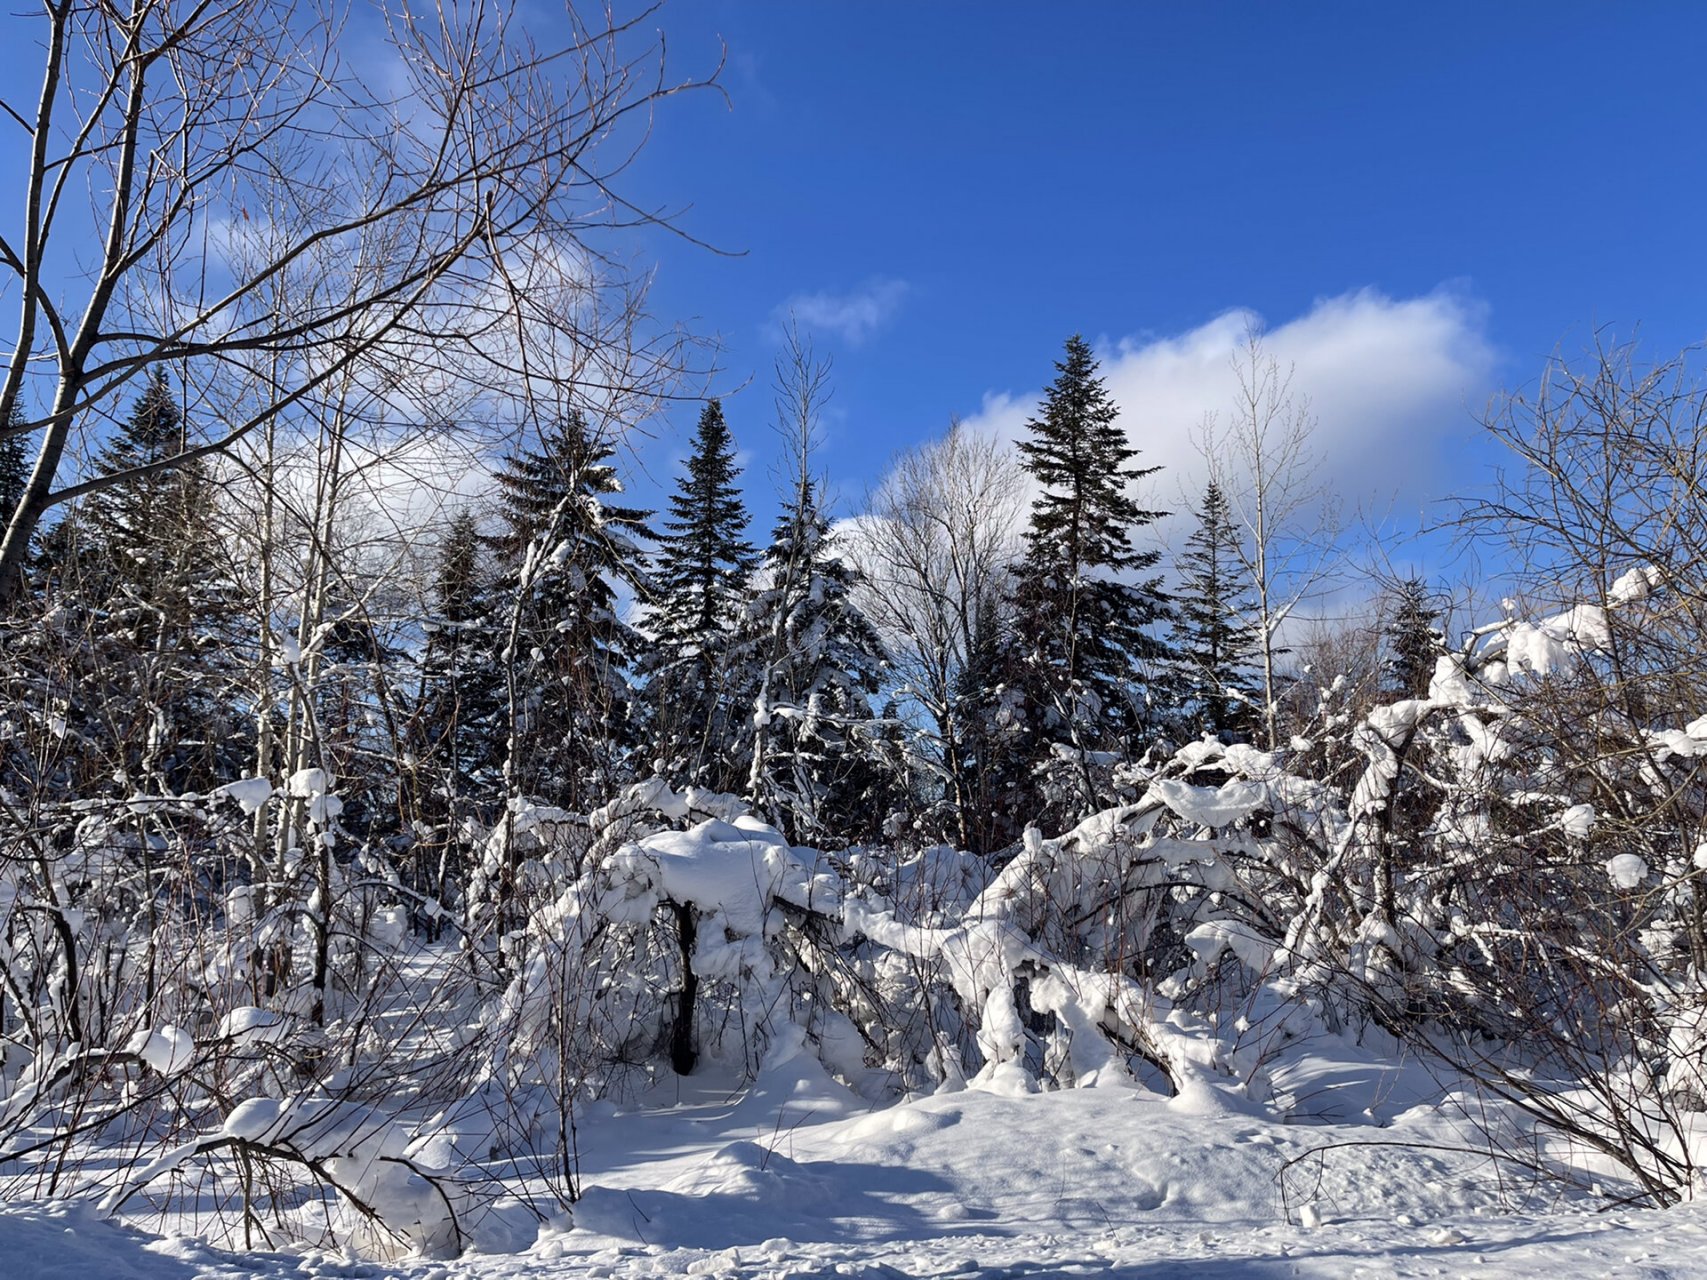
[(794, 1177)]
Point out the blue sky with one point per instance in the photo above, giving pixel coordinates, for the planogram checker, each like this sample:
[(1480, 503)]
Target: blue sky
[(1421, 203), (977, 182)]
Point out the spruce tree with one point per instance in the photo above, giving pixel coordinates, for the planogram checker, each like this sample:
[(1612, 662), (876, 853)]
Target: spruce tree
[(813, 663), (14, 468), (701, 573), (155, 534), (1413, 641), (1213, 642), (989, 757), (456, 732), (1083, 607), (567, 551), (460, 700), (131, 525), (146, 558), (349, 687), (456, 584), (461, 709)]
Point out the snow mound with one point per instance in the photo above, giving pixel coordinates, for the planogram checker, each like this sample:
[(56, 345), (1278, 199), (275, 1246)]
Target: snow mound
[(249, 793), (70, 1240), (1627, 871), (168, 1049), (255, 1026)]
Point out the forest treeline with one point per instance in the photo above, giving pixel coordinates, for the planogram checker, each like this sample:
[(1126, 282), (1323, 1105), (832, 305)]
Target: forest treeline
[(959, 787), (954, 663)]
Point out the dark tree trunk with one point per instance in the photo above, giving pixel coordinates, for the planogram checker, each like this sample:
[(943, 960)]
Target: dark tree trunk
[(682, 1053)]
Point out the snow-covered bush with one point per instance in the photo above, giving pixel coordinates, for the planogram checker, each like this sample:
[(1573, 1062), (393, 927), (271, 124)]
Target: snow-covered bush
[(680, 943), (281, 1158)]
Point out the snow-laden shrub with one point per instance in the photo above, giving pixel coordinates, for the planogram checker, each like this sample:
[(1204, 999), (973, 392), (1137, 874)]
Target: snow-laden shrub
[(153, 968), (317, 1168), (677, 944), (1065, 967), (1520, 882)]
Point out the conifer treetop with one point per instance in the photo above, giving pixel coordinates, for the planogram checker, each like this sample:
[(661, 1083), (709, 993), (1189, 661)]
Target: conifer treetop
[(704, 558), (1084, 517)]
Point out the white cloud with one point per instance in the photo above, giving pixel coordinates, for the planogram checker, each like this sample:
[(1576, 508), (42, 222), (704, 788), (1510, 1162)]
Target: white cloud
[(853, 317), (1392, 384)]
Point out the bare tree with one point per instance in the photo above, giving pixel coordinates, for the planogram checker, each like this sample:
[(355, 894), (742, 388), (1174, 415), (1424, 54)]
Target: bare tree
[(802, 390), (937, 536), (1612, 479), (225, 147), (1264, 462)]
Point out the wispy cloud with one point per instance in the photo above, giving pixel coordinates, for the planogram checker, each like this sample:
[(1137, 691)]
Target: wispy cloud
[(853, 316)]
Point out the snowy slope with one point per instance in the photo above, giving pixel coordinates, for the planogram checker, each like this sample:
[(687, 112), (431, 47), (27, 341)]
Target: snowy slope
[(794, 1177), (793, 1181), (57, 1242)]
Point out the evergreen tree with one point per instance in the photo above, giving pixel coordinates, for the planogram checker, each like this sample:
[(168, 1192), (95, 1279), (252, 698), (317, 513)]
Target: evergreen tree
[(1413, 641), (134, 529), (813, 664), (988, 743), (14, 468), (1213, 645), (145, 557), (701, 573), (456, 584), (567, 550), (1083, 610), (459, 708), (456, 733), (155, 534), (353, 708)]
